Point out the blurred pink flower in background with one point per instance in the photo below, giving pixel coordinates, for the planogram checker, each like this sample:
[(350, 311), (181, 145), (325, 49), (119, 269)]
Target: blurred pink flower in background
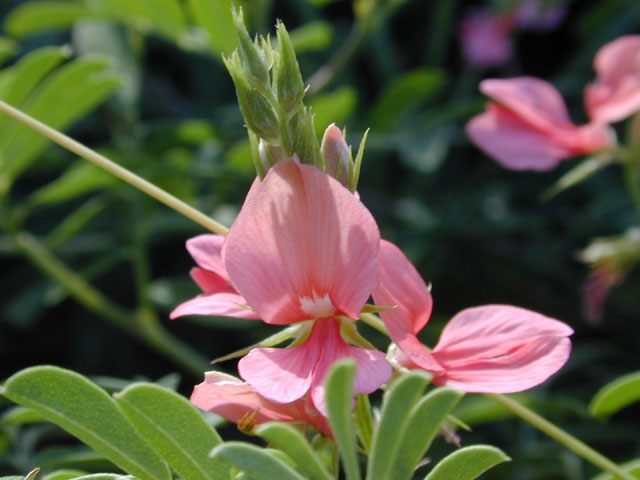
[(596, 288), (538, 15), (236, 401), (490, 349), (304, 248), (616, 93), (527, 126), (485, 38), (485, 35)]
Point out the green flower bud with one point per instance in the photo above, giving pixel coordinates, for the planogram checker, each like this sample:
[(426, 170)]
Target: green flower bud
[(257, 111), (307, 146), (287, 77), (252, 60)]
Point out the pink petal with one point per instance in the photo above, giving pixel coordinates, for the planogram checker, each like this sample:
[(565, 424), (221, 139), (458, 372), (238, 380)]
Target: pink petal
[(232, 399), (285, 374), (279, 374), (218, 304), (372, 369), (210, 282), (206, 251), (402, 286), (501, 349), (534, 100), (302, 247), (513, 143), (616, 93)]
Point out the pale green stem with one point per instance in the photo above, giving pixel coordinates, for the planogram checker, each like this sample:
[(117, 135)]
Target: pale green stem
[(566, 439), (115, 169), (143, 325), (562, 437)]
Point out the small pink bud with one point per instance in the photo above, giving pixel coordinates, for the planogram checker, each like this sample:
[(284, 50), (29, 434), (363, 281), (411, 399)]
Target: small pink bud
[(335, 152)]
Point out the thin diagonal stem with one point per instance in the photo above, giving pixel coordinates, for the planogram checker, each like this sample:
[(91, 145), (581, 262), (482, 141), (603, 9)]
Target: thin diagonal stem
[(569, 441), (122, 173), (142, 325)]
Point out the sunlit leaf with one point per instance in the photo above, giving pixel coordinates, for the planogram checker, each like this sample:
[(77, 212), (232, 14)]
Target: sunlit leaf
[(339, 398), (83, 409), (423, 423), (616, 395), (295, 445), (175, 429), (64, 474), (36, 17), (467, 463), (79, 179), (399, 399), (18, 81), (65, 95), (258, 463)]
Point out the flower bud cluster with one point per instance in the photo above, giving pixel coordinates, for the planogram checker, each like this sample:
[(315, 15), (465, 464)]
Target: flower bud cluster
[(270, 93)]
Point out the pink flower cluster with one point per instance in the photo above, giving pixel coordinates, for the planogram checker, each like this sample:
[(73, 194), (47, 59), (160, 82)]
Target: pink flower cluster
[(527, 127), (305, 250)]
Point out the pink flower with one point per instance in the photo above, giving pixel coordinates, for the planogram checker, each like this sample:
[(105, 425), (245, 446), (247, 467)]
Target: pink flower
[(528, 126), (491, 349), (304, 248), (219, 297), (616, 93), (236, 401), (485, 38)]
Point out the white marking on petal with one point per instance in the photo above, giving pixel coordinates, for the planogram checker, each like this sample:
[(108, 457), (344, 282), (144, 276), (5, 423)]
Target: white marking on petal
[(317, 307)]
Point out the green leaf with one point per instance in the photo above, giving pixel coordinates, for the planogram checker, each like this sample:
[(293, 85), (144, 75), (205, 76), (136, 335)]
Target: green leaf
[(17, 82), (35, 17), (105, 476), (616, 395), (65, 474), (467, 463), (339, 397), (632, 467), (214, 16), (175, 428), (257, 463), (7, 49), (399, 399), (295, 445), (579, 173), (67, 94), (79, 179), (312, 36), (364, 421), (72, 402), (406, 92), (333, 107), (21, 416), (423, 423)]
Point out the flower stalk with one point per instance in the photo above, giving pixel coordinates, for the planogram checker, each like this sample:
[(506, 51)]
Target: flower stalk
[(122, 173)]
